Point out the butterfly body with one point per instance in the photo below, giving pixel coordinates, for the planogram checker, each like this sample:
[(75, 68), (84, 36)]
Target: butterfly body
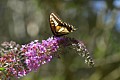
[(58, 27)]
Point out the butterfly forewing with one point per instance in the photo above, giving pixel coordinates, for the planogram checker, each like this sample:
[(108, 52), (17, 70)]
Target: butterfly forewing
[(58, 27)]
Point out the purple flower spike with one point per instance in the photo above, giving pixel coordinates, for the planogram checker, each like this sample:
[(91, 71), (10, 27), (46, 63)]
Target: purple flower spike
[(20, 60), (12, 60), (78, 46), (39, 53)]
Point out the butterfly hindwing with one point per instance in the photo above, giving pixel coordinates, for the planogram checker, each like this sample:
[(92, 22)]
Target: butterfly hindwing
[(58, 27)]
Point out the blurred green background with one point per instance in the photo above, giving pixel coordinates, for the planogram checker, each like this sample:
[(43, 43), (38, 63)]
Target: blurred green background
[(98, 26)]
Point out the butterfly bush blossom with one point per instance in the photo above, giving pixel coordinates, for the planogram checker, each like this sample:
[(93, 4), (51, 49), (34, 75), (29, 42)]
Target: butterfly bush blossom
[(19, 60)]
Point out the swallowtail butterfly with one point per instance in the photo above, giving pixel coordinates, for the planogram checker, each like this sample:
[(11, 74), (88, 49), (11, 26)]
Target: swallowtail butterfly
[(58, 27)]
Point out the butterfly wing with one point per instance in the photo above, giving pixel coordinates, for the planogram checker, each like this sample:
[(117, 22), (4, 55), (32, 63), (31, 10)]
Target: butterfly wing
[(58, 27)]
